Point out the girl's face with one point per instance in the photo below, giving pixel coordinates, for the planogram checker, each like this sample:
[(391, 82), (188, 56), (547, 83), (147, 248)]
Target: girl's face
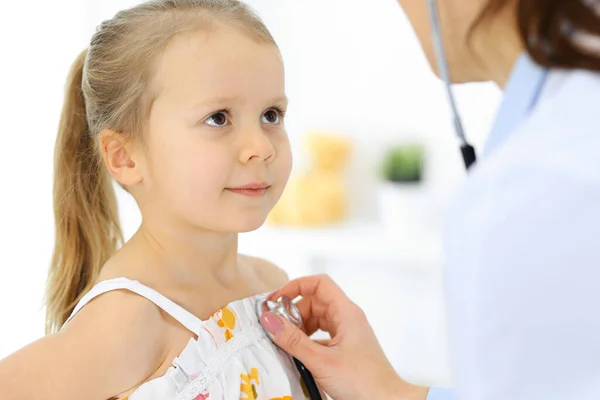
[(218, 156), (456, 18)]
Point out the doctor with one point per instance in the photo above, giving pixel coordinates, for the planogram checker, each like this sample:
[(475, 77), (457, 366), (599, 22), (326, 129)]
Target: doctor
[(523, 238)]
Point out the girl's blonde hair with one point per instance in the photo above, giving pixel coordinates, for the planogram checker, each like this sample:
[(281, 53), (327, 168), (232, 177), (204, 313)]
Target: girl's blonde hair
[(108, 88)]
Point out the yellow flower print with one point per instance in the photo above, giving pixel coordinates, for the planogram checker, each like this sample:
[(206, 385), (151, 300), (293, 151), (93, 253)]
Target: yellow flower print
[(247, 387), (250, 389), (227, 321)]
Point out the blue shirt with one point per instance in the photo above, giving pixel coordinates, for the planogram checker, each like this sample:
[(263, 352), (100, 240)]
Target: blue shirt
[(521, 94)]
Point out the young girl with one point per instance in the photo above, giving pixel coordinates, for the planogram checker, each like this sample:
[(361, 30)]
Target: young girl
[(182, 103)]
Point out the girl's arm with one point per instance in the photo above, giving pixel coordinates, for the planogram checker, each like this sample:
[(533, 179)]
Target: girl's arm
[(114, 344)]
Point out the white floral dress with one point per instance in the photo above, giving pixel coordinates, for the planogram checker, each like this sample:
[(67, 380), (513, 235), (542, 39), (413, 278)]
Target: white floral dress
[(232, 358)]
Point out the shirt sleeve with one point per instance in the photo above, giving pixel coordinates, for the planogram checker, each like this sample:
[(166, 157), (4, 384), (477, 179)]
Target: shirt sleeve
[(438, 393)]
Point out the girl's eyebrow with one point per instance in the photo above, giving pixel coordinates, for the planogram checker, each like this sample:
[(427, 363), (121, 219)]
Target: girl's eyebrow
[(231, 99), (212, 101), (280, 99)]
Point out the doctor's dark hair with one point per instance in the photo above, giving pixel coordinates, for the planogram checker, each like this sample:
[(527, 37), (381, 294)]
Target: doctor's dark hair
[(109, 88), (557, 33)]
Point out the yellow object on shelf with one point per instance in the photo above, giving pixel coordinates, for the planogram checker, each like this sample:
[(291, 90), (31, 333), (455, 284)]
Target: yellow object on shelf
[(329, 152), (319, 196)]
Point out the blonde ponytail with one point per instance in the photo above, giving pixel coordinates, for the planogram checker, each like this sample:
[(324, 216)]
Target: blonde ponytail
[(87, 230)]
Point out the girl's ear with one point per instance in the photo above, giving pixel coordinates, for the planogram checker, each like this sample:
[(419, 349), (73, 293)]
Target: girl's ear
[(119, 157)]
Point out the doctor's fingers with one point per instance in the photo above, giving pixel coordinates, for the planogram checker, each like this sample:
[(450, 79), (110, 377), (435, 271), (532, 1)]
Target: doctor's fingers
[(320, 287), (313, 324), (296, 343), (317, 315)]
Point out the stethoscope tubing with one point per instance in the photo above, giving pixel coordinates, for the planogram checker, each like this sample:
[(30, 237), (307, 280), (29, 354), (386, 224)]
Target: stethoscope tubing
[(467, 151)]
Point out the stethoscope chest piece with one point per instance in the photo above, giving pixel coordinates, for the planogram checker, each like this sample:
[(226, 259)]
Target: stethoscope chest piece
[(284, 307)]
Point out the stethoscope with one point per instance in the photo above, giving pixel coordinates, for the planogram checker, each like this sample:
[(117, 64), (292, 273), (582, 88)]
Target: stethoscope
[(285, 308), (467, 151)]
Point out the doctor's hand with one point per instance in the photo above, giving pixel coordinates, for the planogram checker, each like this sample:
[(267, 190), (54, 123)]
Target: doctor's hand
[(352, 364)]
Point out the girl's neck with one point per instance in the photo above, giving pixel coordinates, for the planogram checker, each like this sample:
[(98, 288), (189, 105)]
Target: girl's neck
[(190, 256)]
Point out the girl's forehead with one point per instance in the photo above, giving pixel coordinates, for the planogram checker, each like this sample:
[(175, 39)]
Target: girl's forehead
[(221, 62)]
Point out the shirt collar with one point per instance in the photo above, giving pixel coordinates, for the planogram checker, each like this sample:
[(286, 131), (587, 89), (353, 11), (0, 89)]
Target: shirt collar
[(521, 94)]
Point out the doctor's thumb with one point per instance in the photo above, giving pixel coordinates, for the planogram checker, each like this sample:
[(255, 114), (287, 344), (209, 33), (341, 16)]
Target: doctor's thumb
[(291, 339)]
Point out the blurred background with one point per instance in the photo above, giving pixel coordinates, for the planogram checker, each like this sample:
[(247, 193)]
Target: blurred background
[(376, 162)]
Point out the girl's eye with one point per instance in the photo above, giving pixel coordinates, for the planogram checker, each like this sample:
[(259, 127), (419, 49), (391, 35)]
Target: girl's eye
[(217, 119), (272, 117)]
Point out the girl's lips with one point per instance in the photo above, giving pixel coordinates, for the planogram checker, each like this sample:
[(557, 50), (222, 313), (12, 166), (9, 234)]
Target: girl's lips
[(249, 191)]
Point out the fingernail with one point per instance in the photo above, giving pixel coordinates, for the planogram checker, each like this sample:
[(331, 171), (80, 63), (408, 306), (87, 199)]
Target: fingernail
[(272, 323)]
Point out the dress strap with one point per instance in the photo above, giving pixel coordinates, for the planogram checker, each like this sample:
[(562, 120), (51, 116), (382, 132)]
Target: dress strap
[(184, 317)]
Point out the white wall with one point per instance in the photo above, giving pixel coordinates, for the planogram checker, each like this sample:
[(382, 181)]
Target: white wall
[(352, 66), (39, 40)]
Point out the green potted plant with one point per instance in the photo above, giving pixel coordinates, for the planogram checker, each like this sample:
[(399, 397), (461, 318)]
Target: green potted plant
[(401, 198), (404, 164)]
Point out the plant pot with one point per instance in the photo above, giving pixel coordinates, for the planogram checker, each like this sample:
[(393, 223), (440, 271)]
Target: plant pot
[(403, 207)]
